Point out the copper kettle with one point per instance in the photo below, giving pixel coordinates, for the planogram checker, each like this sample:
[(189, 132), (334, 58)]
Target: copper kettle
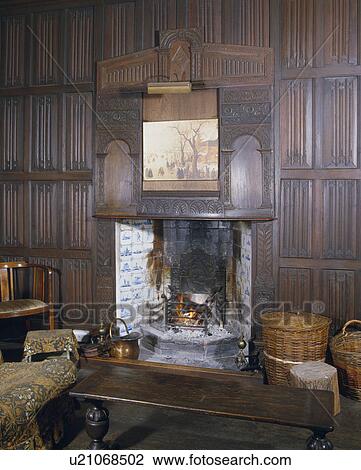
[(124, 347)]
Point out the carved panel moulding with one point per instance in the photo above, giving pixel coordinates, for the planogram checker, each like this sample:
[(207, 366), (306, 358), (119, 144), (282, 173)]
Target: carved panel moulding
[(183, 56)]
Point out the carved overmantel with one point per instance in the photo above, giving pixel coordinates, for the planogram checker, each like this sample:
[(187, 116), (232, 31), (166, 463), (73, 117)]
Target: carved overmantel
[(182, 56), (241, 78)]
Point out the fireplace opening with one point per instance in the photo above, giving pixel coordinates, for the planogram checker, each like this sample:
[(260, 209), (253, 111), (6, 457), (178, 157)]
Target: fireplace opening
[(186, 286)]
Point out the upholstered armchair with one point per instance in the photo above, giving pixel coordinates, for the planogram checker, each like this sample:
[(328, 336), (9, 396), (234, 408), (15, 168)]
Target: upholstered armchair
[(34, 403)]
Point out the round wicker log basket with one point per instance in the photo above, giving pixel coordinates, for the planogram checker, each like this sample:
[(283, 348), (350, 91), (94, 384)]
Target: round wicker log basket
[(346, 355), (292, 338)]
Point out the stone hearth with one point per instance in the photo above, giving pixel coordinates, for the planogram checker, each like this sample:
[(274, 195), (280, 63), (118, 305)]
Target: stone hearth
[(159, 262)]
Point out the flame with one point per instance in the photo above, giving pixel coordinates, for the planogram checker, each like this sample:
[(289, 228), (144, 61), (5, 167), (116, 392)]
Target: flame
[(186, 314)]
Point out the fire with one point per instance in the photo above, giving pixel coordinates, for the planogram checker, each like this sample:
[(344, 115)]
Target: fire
[(186, 314)]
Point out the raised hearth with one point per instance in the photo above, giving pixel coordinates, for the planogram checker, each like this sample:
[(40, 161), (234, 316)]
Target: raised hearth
[(186, 286)]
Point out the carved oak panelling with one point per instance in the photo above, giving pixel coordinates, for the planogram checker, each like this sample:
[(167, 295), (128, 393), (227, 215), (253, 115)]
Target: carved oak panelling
[(256, 94), (46, 47), (181, 207), (340, 200), (245, 22), (11, 133), (296, 218), (44, 132), (158, 15), (341, 18), (119, 34), (296, 123), (246, 113), (297, 33), (230, 65), (295, 287), (12, 51), (339, 123), (206, 16), (11, 214), (79, 122), (105, 270), (264, 283), (337, 288), (80, 54), (77, 282), (44, 215), (79, 212), (182, 54)]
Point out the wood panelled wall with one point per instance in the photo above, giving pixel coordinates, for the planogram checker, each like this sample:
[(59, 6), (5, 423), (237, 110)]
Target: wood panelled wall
[(319, 147), (47, 92)]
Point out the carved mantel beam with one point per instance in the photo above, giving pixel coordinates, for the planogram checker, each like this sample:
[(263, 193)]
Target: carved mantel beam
[(182, 56)]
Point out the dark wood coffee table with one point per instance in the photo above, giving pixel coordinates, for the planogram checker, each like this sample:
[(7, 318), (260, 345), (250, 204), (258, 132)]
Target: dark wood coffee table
[(220, 394)]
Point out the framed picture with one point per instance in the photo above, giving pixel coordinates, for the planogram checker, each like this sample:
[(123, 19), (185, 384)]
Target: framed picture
[(181, 155)]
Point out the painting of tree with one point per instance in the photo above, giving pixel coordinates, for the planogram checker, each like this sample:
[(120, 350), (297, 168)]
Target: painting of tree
[(180, 151)]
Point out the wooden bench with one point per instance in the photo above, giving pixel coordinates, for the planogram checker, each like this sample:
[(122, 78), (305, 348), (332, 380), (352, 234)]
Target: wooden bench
[(36, 280), (210, 392)]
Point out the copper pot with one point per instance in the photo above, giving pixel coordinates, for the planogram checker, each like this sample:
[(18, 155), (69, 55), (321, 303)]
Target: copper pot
[(124, 347)]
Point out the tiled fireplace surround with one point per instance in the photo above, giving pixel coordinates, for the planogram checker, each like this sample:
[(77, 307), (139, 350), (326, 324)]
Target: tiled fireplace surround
[(157, 257)]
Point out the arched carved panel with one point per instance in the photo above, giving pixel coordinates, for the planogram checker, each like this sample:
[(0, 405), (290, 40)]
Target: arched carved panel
[(246, 173), (115, 178)]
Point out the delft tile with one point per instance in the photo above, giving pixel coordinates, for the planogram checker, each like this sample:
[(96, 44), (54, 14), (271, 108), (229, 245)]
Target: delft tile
[(137, 236), (124, 312), (138, 251), (137, 280), (125, 266), (126, 237), (137, 295), (126, 294), (125, 281), (137, 265), (126, 251)]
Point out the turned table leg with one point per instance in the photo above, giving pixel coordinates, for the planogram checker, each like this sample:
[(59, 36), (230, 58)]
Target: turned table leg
[(97, 425), (319, 441)]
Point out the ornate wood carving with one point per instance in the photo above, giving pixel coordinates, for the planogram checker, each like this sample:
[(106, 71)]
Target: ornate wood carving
[(44, 132), (338, 293), (341, 22), (104, 264), (44, 220), (296, 124), (296, 218), (245, 22), (295, 287), (11, 214), (77, 274), (119, 29), (80, 52), (79, 210), (339, 149), (210, 64), (45, 36), (181, 207), (12, 34), (264, 284), (79, 121), (11, 133), (340, 232), (297, 50)]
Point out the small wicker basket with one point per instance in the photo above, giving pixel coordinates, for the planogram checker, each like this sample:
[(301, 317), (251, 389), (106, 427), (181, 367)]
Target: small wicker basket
[(346, 354), (292, 338)]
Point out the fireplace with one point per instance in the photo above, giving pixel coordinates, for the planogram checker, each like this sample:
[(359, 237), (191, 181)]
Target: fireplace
[(186, 286)]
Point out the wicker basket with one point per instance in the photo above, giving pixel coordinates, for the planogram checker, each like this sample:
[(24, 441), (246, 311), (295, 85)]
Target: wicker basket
[(292, 338), (346, 354)]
